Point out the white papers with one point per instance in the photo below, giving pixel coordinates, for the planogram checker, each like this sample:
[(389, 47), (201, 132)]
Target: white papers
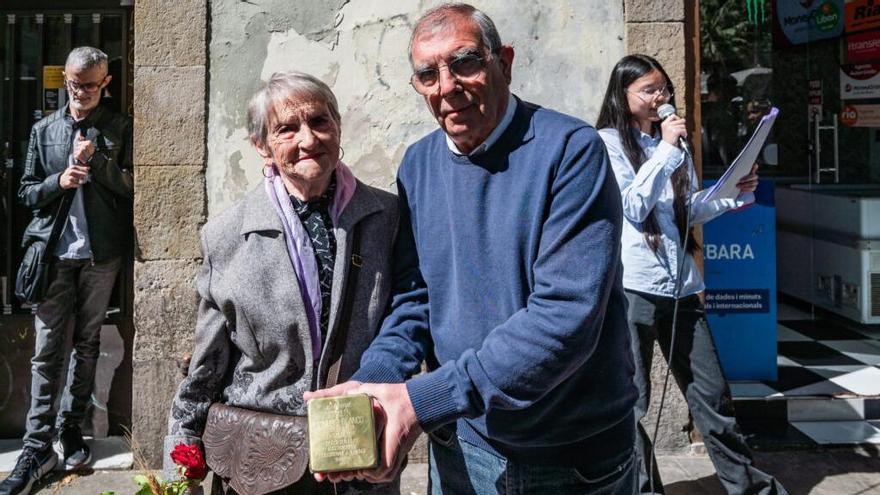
[(726, 186)]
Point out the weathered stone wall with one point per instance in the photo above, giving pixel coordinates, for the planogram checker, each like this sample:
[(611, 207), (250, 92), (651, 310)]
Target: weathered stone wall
[(169, 156), (564, 52), (657, 28)]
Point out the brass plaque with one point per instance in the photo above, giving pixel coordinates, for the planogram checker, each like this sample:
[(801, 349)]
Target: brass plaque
[(342, 434)]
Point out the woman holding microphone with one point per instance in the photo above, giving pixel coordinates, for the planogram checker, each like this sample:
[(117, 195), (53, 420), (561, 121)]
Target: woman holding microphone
[(661, 204)]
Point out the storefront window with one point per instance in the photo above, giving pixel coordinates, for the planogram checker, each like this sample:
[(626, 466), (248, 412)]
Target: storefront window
[(736, 73), (818, 63), (793, 55)]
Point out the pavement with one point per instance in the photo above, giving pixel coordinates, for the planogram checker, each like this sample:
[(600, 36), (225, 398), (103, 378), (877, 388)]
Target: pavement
[(848, 471)]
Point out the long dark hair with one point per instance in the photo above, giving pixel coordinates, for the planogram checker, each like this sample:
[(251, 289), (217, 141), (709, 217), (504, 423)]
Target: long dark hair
[(615, 114)]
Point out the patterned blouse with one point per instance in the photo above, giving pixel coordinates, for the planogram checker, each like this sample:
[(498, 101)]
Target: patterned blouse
[(315, 217)]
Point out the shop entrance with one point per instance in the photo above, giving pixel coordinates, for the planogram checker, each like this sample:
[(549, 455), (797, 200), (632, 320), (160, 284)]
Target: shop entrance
[(818, 62), (34, 43)]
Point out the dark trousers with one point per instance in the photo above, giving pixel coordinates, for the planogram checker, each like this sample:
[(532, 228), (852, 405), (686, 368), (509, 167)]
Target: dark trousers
[(78, 293), (698, 373)]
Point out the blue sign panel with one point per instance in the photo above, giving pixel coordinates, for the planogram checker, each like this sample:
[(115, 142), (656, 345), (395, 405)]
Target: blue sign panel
[(739, 252), (804, 21)]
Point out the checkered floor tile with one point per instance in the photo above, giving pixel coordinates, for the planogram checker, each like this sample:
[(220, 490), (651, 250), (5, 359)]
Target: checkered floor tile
[(821, 358), (827, 390)]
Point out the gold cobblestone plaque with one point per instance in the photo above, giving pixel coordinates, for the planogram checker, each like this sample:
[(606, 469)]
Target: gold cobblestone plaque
[(342, 434)]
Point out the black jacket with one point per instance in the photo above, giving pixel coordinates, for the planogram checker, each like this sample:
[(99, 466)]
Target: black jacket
[(107, 197)]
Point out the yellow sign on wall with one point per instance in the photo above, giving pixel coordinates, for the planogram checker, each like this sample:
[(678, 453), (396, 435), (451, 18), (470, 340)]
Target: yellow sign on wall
[(53, 77)]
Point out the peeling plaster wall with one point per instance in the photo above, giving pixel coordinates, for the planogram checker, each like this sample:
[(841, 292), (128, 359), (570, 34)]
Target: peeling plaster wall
[(564, 53)]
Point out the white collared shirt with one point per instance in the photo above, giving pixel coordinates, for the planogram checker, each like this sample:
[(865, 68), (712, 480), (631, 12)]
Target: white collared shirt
[(496, 133), (651, 189)]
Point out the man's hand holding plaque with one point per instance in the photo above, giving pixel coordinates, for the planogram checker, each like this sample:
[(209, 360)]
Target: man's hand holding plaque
[(396, 425)]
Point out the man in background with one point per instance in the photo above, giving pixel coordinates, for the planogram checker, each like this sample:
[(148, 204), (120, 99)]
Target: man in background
[(78, 162)]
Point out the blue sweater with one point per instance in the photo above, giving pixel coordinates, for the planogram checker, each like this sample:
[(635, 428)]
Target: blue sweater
[(507, 280)]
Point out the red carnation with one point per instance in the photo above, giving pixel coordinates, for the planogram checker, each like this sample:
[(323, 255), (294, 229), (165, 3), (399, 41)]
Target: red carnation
[(191, 459)]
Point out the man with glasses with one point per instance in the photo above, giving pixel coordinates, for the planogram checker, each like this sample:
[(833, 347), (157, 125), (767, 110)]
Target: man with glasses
[(507, 281), (78, 170)]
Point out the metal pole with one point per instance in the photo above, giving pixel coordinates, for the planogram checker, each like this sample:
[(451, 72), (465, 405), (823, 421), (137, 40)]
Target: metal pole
[(9, 158), (817, 149), (836, 153)]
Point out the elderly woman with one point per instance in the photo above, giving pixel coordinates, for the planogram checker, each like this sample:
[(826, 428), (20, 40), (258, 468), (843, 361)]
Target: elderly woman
[(292, 289)]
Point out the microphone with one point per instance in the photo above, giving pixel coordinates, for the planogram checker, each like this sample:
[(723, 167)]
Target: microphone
[(664, 111)]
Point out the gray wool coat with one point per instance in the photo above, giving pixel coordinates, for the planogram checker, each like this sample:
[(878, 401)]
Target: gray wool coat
[(252, 340)]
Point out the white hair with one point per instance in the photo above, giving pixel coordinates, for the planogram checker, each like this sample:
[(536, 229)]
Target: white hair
[(284, 86), (86, 57), (442, 15)]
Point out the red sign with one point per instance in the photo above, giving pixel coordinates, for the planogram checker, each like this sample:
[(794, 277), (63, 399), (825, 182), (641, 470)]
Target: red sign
[(849, 116), (860, 116), (815, 91), (861, 15), (815, 97), (863, 47)]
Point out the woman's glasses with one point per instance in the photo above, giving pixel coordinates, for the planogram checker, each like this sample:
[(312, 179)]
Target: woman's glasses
[(648, 95)]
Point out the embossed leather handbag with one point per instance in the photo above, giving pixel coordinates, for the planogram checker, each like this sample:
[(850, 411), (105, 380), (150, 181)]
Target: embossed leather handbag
[(256, 452)]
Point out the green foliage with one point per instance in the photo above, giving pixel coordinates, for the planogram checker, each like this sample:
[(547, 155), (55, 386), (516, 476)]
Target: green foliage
[(725, 34), (176, 487), (143, 484)]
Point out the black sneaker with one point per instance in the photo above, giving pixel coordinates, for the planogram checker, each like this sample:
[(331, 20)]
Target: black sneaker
[(76, 453), (31, 466)]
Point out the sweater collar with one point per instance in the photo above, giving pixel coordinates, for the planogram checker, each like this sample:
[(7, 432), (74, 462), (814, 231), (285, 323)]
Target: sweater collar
[(520, 130)]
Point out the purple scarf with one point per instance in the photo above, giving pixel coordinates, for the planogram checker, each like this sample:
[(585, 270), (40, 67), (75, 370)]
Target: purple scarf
[(299, 247)]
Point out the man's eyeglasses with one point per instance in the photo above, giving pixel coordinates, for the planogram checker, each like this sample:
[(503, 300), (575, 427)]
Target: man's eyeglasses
[(75, 87), (463, 67), (648, 95)]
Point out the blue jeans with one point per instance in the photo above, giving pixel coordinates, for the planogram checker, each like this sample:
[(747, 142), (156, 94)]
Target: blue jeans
[(459, 468)]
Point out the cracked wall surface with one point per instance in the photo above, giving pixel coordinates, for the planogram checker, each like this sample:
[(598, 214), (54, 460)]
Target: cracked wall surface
[(564, 52)]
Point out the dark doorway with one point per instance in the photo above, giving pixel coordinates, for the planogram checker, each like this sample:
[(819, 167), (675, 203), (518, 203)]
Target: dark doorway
[(35, 38)]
